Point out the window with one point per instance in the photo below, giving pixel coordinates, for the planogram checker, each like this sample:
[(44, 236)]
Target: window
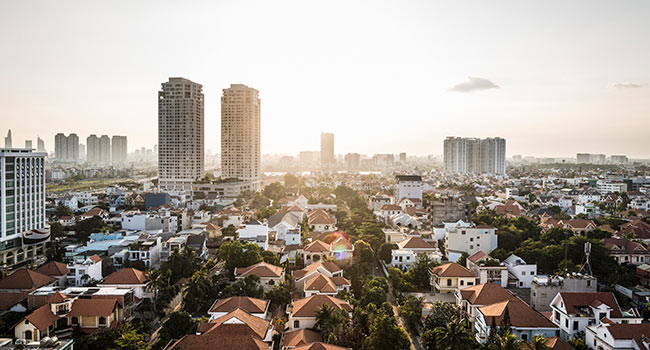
[(448, 282), (524, 337), (462, 283), (271, 282), (575, 325), (75, 321), (296, 324), (102, 321)]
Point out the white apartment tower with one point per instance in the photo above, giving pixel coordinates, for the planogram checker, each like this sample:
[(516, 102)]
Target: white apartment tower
[(119, 150), (92, 149), (327, 149), (476, 156), (40, 144), (240, 133), (23, 231), (8, 142), (180, 134), (104, 150)]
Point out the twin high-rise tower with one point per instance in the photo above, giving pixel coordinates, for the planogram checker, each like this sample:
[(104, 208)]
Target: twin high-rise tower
[(181, 134), (475, 156)]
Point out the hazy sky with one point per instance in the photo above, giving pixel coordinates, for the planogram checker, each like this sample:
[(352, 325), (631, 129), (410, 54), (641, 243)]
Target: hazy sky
[(553, 77)]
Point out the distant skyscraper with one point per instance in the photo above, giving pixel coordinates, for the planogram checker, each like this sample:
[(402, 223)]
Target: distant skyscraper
[(92, 149), (327, 149), (476, 156), (8, 143), (119, 147), (82, 151), (240, 133), (40, 145), (104, 150), (180, 134), (352, 161), (66, 148), (28, 144), (402, 157)]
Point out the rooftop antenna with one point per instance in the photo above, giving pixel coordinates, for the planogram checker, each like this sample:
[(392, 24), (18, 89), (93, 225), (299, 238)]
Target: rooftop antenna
[(586, 261)]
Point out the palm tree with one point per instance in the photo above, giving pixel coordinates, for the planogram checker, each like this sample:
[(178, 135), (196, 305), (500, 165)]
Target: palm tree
[(507, 341), (328, 318), (539, 343), (454, 335)]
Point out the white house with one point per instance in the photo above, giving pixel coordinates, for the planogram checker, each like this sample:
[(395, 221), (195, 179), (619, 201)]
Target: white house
[(326, 285), (412, 249), (152, 223), (461, 237), (409, 186), (488, 269), (222, 307), (255, 232), (573, 312), (129, 278), (451, 277), (82, 270), (326, 268), (526, 323), (269, 275), (524, 273), (609, 335), (321, 221), (302, 312)]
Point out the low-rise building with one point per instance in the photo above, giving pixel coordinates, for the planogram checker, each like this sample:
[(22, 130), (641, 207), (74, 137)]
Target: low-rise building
[(410, 250), (488, 269), (523, 273), (129, 278), (302, 312), (254, 232), (326, 268), (609, 335), (461, 237), (525, 323), (256, 307), (451, 277), (626, 251), (269, 275), (544, 288)]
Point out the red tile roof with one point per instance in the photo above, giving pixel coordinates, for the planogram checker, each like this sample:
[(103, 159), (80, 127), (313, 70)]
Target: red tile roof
[(300, 337), (25, 279), (573, 300), (93, 307), (317, 247), (313, 267), (486, 294), (225, 337), (414, 243), (521, 315), (308, 307), (126, 276), (8, 300), (320, 346), (250, 305), (261, 269), (452, 269), (53, 268), (42, 317)]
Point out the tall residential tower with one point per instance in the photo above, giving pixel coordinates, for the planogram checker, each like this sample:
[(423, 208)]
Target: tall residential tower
[(240, 133), (327, 150), (476, 156), (180, 134)]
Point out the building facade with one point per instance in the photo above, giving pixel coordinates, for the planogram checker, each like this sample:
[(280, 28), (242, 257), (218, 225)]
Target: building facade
[(180, 134), (23, 231), (66, 148), (476, 156), (119, 150), (240, 133), (327, 149)]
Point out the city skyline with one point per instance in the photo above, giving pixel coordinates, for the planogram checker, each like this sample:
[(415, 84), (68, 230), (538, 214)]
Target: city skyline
[(466, 68)]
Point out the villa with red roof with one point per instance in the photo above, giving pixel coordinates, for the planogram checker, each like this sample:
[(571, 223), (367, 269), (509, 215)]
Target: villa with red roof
[(451, 277), (270, 275)]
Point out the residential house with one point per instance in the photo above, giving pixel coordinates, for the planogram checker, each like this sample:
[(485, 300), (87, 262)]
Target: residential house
[(608, 335), (342, 250), (321, 221), (56, 270), (302, 312), (299, 337), (461, 237), (254, 232), (523, 273), (270, 275), (326, 268), (410, 250), (488, 269), (255, 307), (326, 285), (626, 251), (315, 251), (573, 312), (103, 214), (525, 323), (83, 270), (128, 278), (470, 299), (451, 277)]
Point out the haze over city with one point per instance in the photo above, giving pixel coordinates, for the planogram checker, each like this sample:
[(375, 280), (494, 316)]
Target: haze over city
[(554, 78)]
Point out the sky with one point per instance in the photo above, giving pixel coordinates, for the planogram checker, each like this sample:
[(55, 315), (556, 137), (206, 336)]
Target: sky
[(553, 77)]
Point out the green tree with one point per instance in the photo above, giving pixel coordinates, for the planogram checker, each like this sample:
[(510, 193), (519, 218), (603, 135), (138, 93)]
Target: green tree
[(130, 339), (329, 319), (291, 180), (280, 294), (578, 344), (62, 210), (363, 254), (274, 191), (462, 260), (418, 275), (374, 291), (386, 334), (84, 228), (385, 251), (538, 343), (441, 313), (236, 254), (411, 311), (177, 325), (247, 287), (507, 341), (455, 335)]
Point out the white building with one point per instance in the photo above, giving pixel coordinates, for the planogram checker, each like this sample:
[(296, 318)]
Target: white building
[(469, 238), (610, 336), (472, 155), (409, 186), (412, 249), (152, 223), (83, 270), (254, 232), (606, 186), (180, 150), (574, 312), (23, 230), (524, 273)]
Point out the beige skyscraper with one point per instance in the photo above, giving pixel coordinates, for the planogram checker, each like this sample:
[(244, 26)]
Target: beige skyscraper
[(119, 150), (327, 149), (240, 133), (180, 134)]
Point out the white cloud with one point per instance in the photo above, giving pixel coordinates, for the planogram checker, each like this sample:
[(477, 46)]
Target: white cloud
[(474, 84), (627, 85)]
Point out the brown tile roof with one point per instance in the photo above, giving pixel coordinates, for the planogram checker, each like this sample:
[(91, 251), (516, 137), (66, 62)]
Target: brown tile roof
[(320, 346), (320, 217), (126, 276), (8, 300), (211, 227), (521, 315), (261, 269), (25, 279), (311, 268), (56, 298), (622, 245), (250, 305), (452, 269), (552, 343), (93, 307), (573, 300), (42, 317), (95, 212), (579, 223), (486, 294), (258, 325), (341, 244), (225, 337), (640, 229), (300, 337), (478, 256), (391, 207), (308, 307), (321, 283), (95, 258), (317, 247), (414, 242), (638, 332), (53, 268)]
